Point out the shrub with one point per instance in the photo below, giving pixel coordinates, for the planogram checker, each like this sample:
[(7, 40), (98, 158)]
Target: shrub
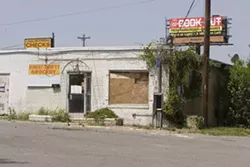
[(102, 114), (43, 111), (23, 116), (195, 122), (239, 90), (173, 108), (12, 114), (60, 116)]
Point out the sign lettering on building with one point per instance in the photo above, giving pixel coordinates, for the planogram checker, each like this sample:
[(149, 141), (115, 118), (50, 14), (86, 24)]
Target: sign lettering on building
[(43, 69), (38, 43)]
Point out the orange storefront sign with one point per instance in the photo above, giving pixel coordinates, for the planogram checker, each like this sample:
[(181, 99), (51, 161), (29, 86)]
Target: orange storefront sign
[(43, 69), (38, 43)]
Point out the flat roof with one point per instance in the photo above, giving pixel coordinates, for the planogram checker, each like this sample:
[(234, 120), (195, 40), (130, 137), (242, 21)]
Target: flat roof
[(67, 49)]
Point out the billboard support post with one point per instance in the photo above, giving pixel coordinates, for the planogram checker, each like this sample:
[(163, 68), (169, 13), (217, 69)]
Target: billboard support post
[(198, 48)]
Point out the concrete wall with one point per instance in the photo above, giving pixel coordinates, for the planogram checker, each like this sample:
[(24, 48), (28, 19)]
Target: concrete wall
[(97, 60)]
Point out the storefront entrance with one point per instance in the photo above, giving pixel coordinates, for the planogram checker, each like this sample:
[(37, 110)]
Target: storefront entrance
[(79, 94)]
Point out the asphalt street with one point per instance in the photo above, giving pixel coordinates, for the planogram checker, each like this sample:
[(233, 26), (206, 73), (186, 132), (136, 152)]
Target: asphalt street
[(35, 145)]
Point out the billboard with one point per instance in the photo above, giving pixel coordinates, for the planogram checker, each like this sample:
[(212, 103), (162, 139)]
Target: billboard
[(43, 69), (38, 43), (198, 40), (191, 30)]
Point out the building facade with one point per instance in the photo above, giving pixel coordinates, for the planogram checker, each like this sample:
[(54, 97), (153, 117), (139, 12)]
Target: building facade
[(79, 80)]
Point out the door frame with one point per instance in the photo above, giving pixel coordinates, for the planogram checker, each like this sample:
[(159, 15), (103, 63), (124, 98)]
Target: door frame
[(8, 98), (85, 84)]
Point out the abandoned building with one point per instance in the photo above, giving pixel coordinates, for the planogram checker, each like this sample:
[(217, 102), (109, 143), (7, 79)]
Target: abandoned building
[(79, 80), (84, 79)]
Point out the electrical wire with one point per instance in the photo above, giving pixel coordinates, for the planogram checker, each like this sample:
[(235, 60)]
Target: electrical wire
[(77, 13), (11, 46), (195, 4), (188, 12)]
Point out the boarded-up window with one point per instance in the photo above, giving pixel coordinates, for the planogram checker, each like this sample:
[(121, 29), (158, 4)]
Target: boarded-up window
[(128, 88)]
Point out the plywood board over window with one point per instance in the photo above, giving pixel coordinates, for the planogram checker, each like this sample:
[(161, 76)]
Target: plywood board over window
[(128, 88)]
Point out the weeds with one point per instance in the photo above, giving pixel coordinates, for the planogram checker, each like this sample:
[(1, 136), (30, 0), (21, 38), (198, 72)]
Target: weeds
[(12, 114), (102, 114), (23, 116), (43, 111), (58, 115)]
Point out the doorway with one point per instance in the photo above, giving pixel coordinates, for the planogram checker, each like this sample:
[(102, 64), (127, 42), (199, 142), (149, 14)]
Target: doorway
[(4, 94), (79, 94)]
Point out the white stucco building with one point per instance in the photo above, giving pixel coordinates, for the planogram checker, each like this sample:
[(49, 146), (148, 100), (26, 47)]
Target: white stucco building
[(79, 80)]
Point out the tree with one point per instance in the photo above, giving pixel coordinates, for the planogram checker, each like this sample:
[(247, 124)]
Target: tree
[(239, 92), (235, 58), (184, 77)]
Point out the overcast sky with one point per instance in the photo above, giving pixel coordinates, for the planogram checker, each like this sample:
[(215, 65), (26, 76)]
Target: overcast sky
[(126, 26)]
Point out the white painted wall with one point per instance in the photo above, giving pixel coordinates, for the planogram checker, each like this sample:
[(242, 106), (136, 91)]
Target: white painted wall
[(98, 60)]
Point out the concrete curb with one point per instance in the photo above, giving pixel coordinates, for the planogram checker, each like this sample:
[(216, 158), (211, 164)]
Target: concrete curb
[(106, 129), (123, 129)]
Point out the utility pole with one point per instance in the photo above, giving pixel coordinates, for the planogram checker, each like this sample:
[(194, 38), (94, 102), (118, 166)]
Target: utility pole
[(205, 72), (83, 39)]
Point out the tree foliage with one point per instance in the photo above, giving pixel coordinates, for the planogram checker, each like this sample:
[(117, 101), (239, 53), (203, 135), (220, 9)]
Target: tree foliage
[(239, 92), (184, 77)]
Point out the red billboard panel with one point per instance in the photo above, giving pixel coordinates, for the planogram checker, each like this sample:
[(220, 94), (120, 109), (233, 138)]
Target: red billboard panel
[(195, 22), (195, 26)]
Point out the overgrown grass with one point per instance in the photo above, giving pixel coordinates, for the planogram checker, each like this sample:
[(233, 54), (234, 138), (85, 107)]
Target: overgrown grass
[(23, 116), (4, 117), (102, 114), (58, 115), (43, 111), (218, 131), (223, 131)]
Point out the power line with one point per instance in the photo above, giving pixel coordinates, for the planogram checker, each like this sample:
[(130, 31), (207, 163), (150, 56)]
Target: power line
[(77, 13), (11, 46), (195, 4), (188, 12)]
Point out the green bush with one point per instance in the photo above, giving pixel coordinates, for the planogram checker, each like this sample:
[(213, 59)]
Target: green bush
[(173, 108), (239, 91), (195, 122), (23, 116), (60, 116), (43, 111), (102, 114)]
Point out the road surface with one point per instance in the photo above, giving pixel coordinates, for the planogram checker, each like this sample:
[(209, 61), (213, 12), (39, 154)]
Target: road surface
[(33, 145)]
